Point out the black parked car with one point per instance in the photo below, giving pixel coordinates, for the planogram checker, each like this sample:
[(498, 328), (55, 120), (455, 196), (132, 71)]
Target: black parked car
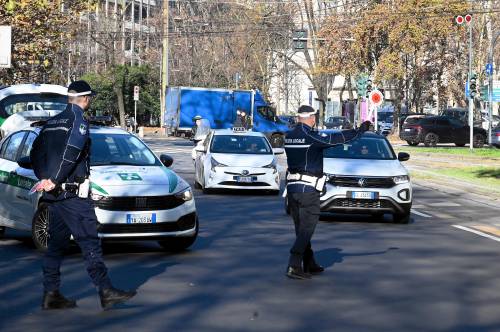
[(441, 129), (338, 122)]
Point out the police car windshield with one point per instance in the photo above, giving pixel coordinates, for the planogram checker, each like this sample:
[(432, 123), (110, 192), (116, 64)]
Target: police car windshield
[(240, 144), (33, 102), (373, 148), (120, 149)]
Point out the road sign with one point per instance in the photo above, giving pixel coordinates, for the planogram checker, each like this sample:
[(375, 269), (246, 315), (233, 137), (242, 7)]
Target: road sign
[(6, 42), (299, 39), (376, 98), (489, 68), (136, 93)]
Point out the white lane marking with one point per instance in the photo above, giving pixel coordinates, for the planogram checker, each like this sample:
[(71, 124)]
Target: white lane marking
[(444, 204), (467, 229), (420, 213)]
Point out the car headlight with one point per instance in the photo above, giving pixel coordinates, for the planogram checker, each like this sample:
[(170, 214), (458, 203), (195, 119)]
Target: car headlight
[(185, 195), (215, 163), (401, 179)]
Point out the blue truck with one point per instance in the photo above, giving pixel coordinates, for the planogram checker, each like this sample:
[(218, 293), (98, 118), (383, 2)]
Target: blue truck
[(219, 106)]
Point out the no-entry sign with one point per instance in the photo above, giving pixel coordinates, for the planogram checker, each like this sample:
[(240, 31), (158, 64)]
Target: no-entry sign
[(376, 98)]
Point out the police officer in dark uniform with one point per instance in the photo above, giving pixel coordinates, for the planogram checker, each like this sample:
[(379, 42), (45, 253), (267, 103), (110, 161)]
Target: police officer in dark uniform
[(60, 158), (305, 181)]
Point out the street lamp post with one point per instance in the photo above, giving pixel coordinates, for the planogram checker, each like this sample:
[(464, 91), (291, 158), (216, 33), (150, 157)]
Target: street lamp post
[(164, 67), (490, 86)]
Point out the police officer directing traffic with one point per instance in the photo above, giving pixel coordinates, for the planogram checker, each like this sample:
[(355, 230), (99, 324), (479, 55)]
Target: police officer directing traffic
[(61, 159), (305, 181)]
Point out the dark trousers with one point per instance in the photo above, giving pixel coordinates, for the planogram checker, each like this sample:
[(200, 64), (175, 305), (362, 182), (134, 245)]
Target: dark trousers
[(304, 208), (73, 216)]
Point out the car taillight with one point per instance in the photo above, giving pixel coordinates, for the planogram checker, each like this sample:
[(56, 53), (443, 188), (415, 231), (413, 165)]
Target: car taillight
[(418, 128), (497, 134)]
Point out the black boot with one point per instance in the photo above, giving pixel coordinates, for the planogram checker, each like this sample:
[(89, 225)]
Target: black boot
[(55, 300), (294, 272), (310, 266), (111, 296)]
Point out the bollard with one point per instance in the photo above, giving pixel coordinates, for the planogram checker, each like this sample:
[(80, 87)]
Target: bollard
[(141, 132)]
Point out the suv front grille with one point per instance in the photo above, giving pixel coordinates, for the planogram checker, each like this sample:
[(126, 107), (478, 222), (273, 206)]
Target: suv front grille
[(142, 203), (361, 182), (359, 203)]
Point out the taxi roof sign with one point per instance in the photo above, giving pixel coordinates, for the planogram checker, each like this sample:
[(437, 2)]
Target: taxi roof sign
[(239, 129)]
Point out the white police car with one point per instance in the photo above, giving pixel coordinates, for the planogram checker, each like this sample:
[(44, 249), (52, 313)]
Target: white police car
[(365, 176), (236, 159), (136, 195), (22, 104)]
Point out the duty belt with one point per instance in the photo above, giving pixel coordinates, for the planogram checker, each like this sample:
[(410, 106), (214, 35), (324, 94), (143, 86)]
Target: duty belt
[(317, 182), (82, 190)]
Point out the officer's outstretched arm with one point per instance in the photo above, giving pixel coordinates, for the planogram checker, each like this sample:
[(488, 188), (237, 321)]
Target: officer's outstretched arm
[(329, 140), (78, 135)]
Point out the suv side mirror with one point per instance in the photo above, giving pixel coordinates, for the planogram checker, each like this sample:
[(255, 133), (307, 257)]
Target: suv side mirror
[(403, 156), (166, 160), (25, 162)]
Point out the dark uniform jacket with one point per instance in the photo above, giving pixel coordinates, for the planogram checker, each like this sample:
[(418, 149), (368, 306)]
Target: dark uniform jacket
[(61, 152), (304, 150)]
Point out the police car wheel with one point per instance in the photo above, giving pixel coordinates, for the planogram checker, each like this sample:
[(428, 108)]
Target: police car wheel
[(176, 244), (402, 218), (40, 227), (197, 185)]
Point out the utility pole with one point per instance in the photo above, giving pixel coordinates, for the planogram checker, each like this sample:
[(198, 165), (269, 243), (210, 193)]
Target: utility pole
[(490, 85), (471, 95), (140, 32), (132, 39), (164, 67)]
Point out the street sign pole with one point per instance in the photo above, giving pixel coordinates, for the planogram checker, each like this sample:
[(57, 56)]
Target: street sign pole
[(135, 116), (471, 98), (136, 98)]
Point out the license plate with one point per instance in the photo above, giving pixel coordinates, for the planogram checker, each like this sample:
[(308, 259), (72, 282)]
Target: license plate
[(149, 218), (407, 129), (363, 195), (245, 179)]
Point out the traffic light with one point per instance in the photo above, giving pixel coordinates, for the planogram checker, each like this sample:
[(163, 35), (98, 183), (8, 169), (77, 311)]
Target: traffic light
[(473, 86), (299, 39), (369, 87), (361, 85)]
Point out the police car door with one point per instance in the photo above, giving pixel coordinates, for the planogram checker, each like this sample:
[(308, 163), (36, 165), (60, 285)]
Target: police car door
[(10, 209), (26, 179)]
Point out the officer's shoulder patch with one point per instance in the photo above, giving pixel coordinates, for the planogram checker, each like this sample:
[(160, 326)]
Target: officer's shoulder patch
[(83, 129)]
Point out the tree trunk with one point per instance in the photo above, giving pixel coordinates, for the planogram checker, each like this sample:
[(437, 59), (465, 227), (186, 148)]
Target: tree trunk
[(121, 105)]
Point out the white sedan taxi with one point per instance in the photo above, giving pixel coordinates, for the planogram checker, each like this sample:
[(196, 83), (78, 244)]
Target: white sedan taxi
[(236, 159), (136, 195)]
